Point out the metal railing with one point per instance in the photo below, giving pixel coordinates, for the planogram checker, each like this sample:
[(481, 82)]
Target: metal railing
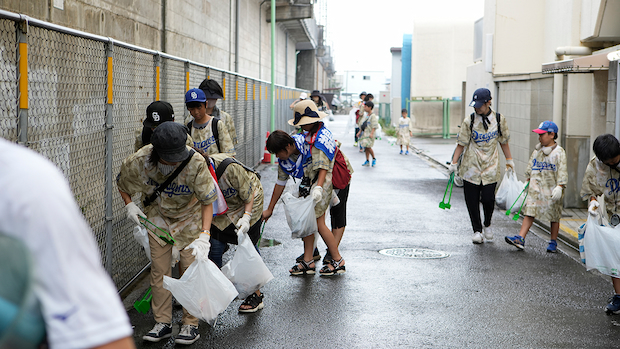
[(79, 99), (433, 117)]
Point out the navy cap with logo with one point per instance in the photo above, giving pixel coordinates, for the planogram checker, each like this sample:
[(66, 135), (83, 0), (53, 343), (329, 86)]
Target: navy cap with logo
[(481, 96), (168, 140), (158, 112), (195, 95)]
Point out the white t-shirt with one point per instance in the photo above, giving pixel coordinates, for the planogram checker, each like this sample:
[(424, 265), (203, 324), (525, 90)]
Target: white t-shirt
[(79, 302)]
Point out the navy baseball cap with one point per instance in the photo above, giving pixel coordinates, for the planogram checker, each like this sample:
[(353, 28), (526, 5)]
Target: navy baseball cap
[(481, 96), (195, 95), (158, 112), (546, 126)]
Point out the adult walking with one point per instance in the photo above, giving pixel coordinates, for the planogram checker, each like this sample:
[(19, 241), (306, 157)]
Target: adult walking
[(184, 210), (480, 134)]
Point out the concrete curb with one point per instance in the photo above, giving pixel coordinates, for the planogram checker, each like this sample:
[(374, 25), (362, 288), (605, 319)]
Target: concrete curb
[(544, 226)]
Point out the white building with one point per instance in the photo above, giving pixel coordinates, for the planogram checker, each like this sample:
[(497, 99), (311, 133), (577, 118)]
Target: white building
[(547, 60), (356, 81)]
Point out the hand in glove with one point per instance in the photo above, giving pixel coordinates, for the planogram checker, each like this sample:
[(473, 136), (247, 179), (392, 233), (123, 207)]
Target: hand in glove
[(201, 246), (510, 165), (243, 224), (176, 256), (452, 168), (133, 211), (556, 194), (317, 193), (594, 205)]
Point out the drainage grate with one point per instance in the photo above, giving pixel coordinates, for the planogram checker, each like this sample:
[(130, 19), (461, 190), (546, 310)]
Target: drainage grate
[(417, 253)]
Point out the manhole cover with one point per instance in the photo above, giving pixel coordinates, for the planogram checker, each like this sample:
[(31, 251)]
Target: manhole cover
[(418, 253)]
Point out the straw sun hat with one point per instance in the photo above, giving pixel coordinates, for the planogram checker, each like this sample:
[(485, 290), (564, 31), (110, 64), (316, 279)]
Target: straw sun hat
[(306, 113)]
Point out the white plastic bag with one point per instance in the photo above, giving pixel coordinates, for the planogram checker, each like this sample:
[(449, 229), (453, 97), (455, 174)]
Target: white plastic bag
[(300, 215), (202, 290), (509, 191), (142, 236), (601, 248), (246, 270)]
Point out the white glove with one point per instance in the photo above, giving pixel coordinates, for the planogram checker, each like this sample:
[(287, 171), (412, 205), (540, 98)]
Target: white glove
[(556, 194), (133, 211), (201, 246), (452, 168), (176, 256), (317, 193), (592, 207), (510, 165), (243, 224)]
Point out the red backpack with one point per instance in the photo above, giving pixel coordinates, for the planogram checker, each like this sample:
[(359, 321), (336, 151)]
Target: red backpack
[(340, 173)]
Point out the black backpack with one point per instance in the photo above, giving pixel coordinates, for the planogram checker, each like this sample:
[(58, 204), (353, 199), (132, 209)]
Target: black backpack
[(222, 167), (216, 133), (499, 125)]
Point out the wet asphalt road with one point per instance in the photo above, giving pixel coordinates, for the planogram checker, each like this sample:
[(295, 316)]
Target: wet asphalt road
[(481, 296)]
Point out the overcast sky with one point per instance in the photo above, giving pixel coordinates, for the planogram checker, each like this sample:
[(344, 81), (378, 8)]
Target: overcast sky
[(361, 32)]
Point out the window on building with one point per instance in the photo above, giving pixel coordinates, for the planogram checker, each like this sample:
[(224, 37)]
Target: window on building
[(366, 77)]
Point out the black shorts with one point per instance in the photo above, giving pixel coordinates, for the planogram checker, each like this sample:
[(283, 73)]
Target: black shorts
[(229, 235), (339, 212)]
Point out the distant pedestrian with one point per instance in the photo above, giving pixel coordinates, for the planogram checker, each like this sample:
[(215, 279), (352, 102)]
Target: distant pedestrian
[(320, 101), (358, 113), (302, 96), (368, 125), (311, 160), (210, 134), (184, 210), (405, 131), (547, 176), (480, 134), (602, 177), (213, 91)]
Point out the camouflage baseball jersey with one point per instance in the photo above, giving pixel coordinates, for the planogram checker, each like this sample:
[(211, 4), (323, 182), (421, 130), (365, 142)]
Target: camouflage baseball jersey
[(481, 157), (602, 179), (205, 140), (320, 161), (138, 143), (545, 173), (239, 187), (373, 123), (230, 126), (178, 209), (405, 126)]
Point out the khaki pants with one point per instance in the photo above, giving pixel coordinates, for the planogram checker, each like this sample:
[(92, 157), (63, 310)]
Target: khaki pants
[(160, 266)]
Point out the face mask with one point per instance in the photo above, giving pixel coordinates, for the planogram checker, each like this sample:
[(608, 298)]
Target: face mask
[(211, 103), (165, 169)]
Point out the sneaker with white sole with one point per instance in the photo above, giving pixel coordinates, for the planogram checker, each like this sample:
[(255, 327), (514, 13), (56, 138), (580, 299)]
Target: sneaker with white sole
[(188, 335), (477, 238), (488, 233), (160, 331), (516, 241)]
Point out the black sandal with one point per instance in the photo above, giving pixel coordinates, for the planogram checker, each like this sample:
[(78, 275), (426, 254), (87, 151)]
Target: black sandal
[(337, 268), (253, 300), (305, 268)]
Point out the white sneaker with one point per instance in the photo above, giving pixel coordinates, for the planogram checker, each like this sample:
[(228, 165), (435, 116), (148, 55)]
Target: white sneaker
[(477, 238), (488, 234)]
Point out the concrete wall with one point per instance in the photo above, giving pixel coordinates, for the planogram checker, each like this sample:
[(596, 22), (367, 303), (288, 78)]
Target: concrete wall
[(396, 77), (202, 31), (440, 55)]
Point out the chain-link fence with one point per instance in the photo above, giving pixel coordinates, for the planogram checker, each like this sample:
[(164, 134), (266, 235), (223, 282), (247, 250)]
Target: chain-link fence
[(79, 100)]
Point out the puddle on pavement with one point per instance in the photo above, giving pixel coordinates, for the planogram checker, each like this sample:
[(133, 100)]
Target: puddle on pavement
[(269, 242)]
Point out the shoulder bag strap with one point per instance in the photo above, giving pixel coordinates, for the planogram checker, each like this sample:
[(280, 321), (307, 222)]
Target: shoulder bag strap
[(169, 180)]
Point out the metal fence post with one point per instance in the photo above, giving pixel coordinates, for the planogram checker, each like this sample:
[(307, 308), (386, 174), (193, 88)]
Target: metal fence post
[(185, 111), (109, 146), (447, 135), (157, 63), (21, 29)]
